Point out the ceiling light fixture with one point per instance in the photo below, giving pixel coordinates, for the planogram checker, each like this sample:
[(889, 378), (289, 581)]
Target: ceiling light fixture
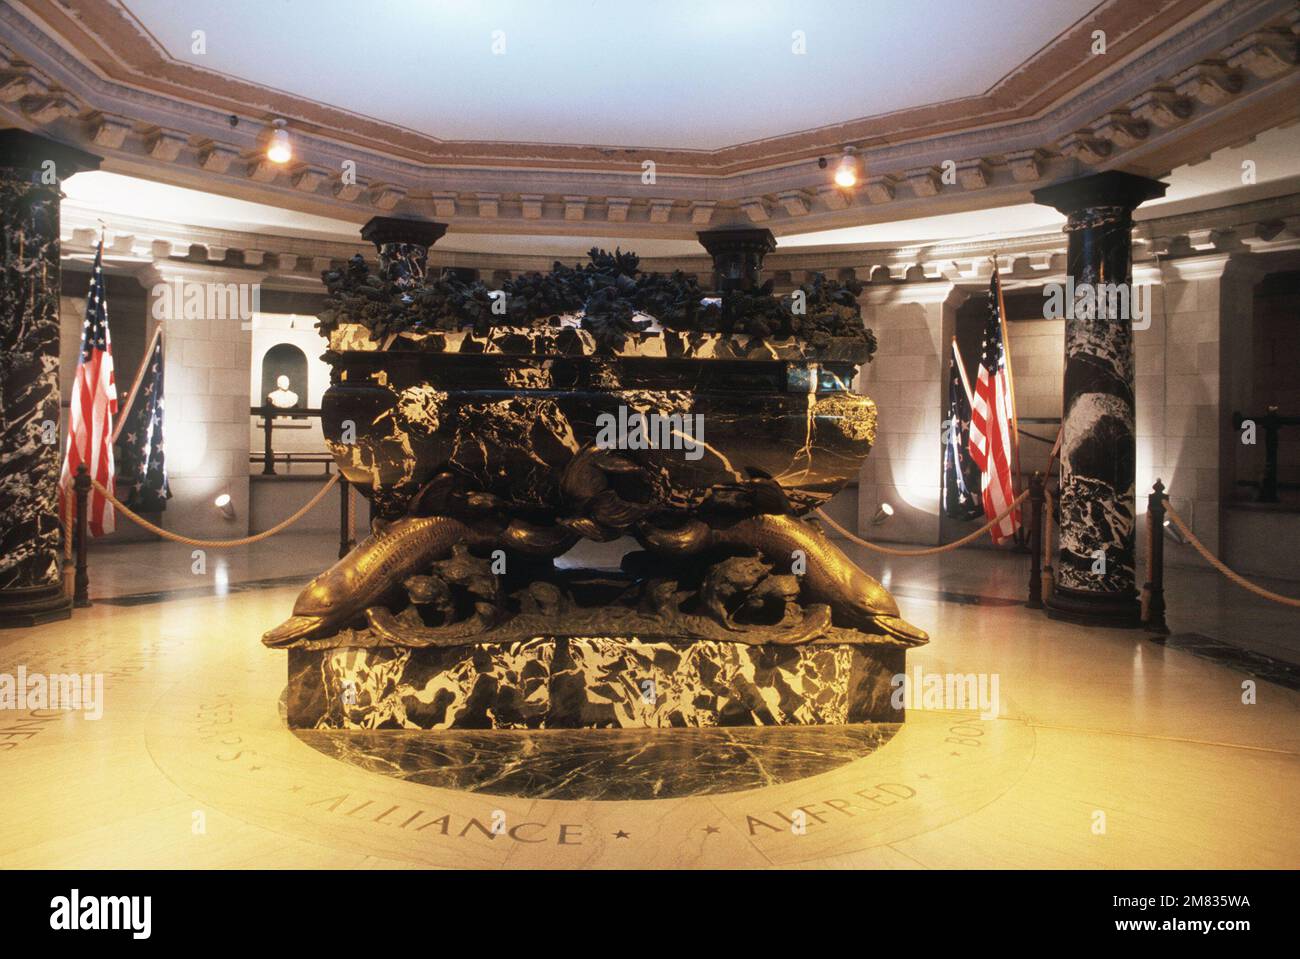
[(279, 149), (849, 169), (882, 514)]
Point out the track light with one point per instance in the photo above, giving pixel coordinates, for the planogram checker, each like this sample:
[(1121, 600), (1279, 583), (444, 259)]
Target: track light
[(279, 149), (848, 170), (225, 506), (1174, 533), (882, 514)]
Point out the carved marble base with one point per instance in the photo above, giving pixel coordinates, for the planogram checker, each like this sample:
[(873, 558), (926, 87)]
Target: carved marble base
[(22, 619), (592, 682), (603, 764), (1118, 610)]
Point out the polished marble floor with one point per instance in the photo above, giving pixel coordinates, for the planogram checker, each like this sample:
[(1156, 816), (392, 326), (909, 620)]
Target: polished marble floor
[(1107, 750)]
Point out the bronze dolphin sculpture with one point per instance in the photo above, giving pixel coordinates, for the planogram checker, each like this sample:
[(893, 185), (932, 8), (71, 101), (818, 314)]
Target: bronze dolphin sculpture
[(341, 594), (855, 599)]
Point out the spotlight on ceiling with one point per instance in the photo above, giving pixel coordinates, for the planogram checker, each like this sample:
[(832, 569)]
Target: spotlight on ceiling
[(848, 170), (225, 506), (279, 149), (882, 514), (1174, 533)]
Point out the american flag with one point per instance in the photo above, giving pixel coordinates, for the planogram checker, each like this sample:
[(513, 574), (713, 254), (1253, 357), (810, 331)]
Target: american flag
[(94, 401), (141, 460), (991, 440), (961, 478)]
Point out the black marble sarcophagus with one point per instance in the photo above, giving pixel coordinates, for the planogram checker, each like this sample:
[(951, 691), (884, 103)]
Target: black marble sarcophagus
[(490, 449)]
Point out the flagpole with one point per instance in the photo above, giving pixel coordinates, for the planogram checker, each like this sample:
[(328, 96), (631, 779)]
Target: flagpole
[(961, 368), (139, 377), (1011, 381)]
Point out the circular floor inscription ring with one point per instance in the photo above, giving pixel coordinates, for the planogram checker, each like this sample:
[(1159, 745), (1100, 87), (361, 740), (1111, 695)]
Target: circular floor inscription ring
[(832, 802)]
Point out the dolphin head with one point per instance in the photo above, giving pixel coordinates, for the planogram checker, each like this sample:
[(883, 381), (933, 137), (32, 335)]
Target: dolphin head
[(323, 597), (293, 629)]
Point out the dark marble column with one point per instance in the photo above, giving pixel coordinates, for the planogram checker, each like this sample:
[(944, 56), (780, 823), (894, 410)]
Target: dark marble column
[(737, 255), (403, 246), (1095, 572), (31, 553)]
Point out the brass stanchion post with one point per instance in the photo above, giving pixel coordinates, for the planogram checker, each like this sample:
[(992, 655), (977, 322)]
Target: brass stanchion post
[(1155, 585), (81, 581), (1036, 497)]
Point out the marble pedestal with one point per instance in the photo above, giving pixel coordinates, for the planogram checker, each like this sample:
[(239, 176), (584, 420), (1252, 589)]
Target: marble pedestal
[(592, 682)]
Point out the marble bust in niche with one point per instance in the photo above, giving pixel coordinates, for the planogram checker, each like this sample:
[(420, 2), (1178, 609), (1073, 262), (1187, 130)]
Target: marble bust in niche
[(282, 397)]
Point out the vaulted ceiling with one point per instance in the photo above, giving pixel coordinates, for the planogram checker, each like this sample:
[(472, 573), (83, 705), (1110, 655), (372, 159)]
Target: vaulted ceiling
[(671, 75), (515, 118)]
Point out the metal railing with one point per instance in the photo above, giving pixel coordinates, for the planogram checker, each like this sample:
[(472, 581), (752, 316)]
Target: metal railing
[(268, 456)]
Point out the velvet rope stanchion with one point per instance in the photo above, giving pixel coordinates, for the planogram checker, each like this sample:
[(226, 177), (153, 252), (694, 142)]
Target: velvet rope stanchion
[(1218, 564), (1037, 495), (1049, 527), (81, 484), (1153, 591), (218, 543), (66, 519), (929, 551)]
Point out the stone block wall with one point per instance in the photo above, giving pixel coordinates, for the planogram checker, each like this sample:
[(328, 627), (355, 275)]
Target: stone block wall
[(907, 379), (208, 367)]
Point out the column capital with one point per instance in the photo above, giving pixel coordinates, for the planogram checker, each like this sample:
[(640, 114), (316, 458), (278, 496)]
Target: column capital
[(403, 246), (1112, 188), (22, 150), (382, 230), (737, 253)]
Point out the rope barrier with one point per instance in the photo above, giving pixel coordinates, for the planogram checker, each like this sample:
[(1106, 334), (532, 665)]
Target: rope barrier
[(1218, 564), (217, 543), (1049, 525), (66, 521), (1049, 547), (969, 537)]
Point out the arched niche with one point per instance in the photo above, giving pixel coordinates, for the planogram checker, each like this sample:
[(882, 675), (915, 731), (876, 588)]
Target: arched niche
[(285, 359)]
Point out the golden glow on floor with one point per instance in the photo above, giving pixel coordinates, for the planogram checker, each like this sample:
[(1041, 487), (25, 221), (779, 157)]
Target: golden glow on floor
[(1110, 752)]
